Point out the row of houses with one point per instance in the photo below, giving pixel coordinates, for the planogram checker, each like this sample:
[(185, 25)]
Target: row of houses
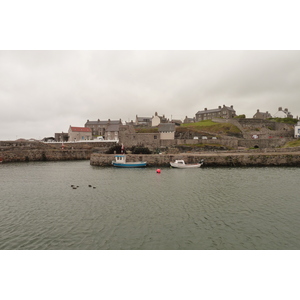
[(166, 131), (109, 129), (281, 113), (226, 112)]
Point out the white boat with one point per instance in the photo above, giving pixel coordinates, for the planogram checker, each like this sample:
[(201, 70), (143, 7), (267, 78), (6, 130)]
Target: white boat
[(120, 161), (180, 164)]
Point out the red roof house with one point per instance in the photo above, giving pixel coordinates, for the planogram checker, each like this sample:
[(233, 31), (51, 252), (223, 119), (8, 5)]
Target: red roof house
[(79, 134)]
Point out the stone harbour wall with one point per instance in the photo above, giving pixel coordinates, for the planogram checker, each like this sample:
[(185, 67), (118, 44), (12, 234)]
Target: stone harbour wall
[(44, 155), (37, 151), (222, 159)]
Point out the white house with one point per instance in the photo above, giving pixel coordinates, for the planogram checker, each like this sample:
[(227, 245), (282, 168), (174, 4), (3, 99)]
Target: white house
[(297, 130), (156, 120), (283, 113), (79, 134)]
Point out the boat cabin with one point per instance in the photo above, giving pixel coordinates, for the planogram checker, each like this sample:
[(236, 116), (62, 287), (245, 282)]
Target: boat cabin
[(121, 159), (180, 162)]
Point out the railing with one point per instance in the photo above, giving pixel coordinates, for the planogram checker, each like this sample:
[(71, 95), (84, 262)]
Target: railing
[(84, 141)]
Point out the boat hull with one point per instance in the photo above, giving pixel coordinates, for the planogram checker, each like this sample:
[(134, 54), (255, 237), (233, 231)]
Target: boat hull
[(130, 165), (180, 166)]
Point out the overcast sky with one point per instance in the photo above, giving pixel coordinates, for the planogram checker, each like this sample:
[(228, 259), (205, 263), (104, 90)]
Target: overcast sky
[(43, 92)]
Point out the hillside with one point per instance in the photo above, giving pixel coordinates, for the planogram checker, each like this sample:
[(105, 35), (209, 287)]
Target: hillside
[(209, 128), (290, 121)]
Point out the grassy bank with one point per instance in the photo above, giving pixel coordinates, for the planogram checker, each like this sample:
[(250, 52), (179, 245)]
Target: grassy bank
[(295, 143), (146, 130), (211, 127), (290, 121)]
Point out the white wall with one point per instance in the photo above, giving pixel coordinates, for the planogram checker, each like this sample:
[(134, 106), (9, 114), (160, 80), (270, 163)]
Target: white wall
[(155, 121), (297, 131), (167, 135)]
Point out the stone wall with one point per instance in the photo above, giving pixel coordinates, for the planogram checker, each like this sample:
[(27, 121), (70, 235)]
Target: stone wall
[(150, 140), (37, 151), (263, 143), (230, 142), (44, 155), (222, 159)]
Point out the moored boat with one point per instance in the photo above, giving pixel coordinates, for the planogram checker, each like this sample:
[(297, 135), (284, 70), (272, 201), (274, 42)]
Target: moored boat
[(180, 164), (120, 161)]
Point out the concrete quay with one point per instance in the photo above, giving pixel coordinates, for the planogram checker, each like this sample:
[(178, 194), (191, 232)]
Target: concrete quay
[(211, 159)]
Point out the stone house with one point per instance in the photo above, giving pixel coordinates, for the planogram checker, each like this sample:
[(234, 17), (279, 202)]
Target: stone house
[(166, 131), (262, 115), (129, 137), (188, 120), (79, 134), (61, 137), (100, 127), (176, 122), (283, 113), (156, 120), (112, 132), (224, 112), (297, 130), (143, 121)]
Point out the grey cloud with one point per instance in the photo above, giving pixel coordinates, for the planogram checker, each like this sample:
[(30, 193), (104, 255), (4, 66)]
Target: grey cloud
[(47, 91)]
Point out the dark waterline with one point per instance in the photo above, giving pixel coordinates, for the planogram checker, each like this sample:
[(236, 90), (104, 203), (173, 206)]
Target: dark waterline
[(218, 208)]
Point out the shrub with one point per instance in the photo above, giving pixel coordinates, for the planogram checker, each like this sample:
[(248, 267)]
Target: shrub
[(114, 149), (140, 150)]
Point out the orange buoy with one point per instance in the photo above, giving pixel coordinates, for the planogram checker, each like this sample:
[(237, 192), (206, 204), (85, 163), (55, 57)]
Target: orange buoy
[(158, 171)]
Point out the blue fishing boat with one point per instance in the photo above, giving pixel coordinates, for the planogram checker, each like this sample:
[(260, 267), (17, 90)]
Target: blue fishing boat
[(120, 161)]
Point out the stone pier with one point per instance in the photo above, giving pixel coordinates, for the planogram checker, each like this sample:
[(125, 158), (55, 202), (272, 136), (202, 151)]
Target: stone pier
[(220, 159)]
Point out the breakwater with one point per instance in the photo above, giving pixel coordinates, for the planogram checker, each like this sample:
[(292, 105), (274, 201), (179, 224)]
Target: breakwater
[(37, 151), (220, 159), (45, 155)]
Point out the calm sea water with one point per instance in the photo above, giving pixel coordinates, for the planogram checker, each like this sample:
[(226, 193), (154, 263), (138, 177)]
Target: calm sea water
[(208, 208)]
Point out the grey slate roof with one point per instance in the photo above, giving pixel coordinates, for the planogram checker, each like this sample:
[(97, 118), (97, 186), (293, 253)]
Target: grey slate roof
[(105, 122), (144, 119), (213, 110), (113, 128), (166, 127)]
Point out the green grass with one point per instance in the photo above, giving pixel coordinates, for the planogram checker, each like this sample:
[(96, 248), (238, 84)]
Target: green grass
[(202, 145), (212, 127), (284, 120), (146, 130), (291, 144)]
